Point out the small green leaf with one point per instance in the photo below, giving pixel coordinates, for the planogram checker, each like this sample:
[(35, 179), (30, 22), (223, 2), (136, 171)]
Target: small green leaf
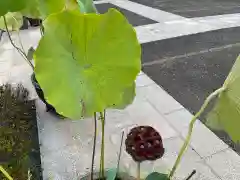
[(226, 113), (157, 176), (87, 6), (96, 58), (30, 53), (14, 21), (72, 4), (11, 6), (111, 174)]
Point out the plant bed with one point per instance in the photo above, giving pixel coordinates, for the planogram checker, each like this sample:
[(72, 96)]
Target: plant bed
[(19, 144)]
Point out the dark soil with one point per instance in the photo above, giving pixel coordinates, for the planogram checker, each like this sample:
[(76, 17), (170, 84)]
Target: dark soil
[(19, 144)]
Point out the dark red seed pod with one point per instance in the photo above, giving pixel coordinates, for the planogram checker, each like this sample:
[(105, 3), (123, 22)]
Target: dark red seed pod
[(144, 143)]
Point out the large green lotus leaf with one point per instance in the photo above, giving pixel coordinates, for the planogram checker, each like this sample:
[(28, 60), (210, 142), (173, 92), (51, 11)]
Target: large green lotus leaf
[(42, 8), (48, 7), (226, 113), (32, 9), (11, 6), (85, 62), (14, 21), (127, 98)]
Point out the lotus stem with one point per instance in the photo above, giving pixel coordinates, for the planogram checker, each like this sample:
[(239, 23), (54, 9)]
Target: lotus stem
[(18, 33), (5, 173), (94, 144), (138, 170), (120, 153), (21, 52), (102, 117), (190, 128)]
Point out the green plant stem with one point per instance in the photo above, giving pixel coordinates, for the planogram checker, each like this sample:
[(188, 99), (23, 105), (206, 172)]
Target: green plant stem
[(94, 144), (102, 117), (18, 33), (138, 170), (120, 153), (188, 138), (20, 41), (5, 173), (21, 52)]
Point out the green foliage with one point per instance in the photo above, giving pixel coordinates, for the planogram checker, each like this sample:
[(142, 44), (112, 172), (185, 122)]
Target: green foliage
[(11, 6), (72, 4), (157, 176), (226, 113), (42, 8), (127, 97), (96, 59), (32, 9), (14, 21)]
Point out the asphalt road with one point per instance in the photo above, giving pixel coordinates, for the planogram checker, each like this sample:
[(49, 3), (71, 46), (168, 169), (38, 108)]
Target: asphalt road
[(194, 8)]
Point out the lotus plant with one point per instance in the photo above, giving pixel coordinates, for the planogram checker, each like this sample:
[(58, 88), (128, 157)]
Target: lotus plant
[(87, 63)]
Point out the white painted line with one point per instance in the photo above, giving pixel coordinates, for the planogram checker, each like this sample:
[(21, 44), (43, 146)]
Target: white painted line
[(176, 28), (159, 31), (220, 21), (101, 2), (171, 25), (149, 12)]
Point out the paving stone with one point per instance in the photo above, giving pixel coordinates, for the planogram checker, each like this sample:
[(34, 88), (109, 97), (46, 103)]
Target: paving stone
[(28, 38), (143, 80), (143, 113), (201, 136), (226, 164), (73, 162), (58, 133), (190, 161), (162, 101)]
